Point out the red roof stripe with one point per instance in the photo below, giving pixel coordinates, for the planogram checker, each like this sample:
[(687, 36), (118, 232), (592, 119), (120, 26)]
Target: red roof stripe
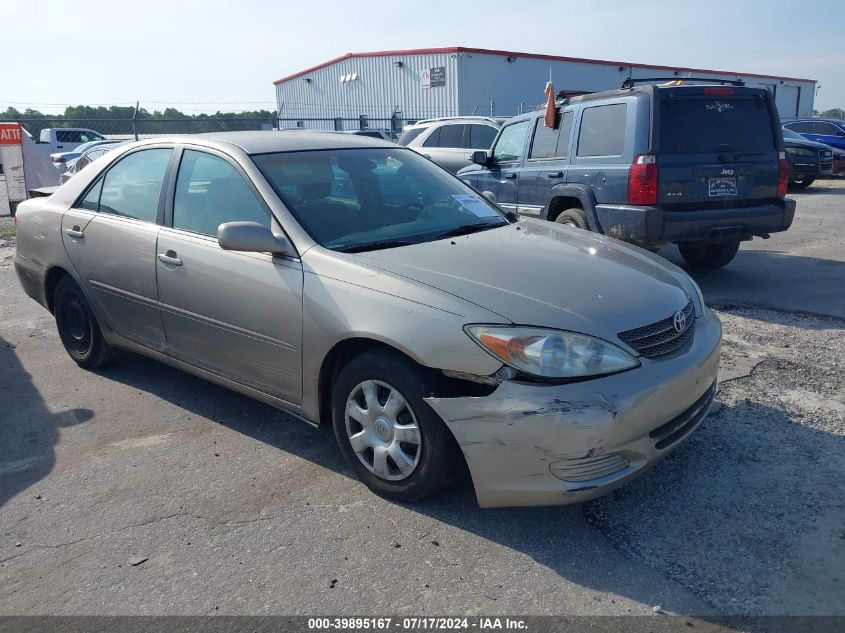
[(486, 51)]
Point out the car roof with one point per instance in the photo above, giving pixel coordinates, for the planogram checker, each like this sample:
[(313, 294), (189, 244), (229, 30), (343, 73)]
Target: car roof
[(459, 119), (814, 119), (270, 141)]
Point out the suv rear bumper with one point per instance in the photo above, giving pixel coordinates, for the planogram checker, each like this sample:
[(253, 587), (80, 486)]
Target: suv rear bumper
[(652, 225)]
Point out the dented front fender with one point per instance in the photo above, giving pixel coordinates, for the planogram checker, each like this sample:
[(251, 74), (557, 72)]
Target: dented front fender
[(539, 444)]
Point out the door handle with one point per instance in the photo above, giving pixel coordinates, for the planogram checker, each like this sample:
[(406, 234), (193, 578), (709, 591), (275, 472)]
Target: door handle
[(170, 258), (510, 175), (557, 174), (74, 232)]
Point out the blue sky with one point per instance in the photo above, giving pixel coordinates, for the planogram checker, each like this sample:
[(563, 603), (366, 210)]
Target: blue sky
[(203, 55)]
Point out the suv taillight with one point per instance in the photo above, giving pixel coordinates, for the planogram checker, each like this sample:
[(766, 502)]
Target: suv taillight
[(783, 175), (642, 180)]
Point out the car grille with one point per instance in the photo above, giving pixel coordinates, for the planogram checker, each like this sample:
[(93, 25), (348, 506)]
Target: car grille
[(661, 337), (588, 468), (682, 425)]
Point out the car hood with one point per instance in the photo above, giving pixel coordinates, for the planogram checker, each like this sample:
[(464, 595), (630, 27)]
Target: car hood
[(808, 144), (545, 274)]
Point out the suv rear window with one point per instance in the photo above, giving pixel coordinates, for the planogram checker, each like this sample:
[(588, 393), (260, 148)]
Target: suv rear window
[(410, 135), (699, 125)]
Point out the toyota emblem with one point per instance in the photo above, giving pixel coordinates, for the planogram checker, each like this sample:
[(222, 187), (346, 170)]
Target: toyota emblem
[(679, 321)]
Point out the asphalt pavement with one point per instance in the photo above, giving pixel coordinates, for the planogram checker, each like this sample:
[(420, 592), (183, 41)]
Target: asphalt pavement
[(140, 489)]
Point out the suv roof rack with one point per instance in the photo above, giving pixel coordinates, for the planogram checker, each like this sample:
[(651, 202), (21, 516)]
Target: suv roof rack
[(631, 82), (464, 116)]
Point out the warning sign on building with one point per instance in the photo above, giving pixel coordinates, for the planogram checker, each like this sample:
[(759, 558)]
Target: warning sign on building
[(433, 77)]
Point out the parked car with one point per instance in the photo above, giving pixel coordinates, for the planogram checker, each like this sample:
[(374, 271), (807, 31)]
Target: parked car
[(828, 131), (77, 164), (807, 160), (66, 139), (61, 160), (385, 135), (557, 363), (449, 142), (700, 166)]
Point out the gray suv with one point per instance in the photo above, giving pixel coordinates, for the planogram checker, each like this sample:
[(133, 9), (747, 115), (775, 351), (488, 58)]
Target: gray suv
[(702, 166), (450, 141)]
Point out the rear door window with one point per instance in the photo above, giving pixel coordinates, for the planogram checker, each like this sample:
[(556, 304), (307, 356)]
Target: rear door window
[(544, 144), (802, 127), (446, 136), (132, 187), (480, 136), (603, 130), (700, 125)]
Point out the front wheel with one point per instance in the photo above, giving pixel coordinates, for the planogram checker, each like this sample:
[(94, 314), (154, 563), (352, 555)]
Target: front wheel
[(708, 256), (390, 437), (78, 327)]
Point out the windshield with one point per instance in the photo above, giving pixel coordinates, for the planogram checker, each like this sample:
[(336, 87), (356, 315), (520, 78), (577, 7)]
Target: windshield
[(795, 136), (364, 199)]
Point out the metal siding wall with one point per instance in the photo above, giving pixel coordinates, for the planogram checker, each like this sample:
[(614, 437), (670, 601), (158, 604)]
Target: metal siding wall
[(473, 80), (380, 89), (492, 77)]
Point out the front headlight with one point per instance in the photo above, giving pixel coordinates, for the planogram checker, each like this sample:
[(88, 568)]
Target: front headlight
[(800, 151), (551, 353)]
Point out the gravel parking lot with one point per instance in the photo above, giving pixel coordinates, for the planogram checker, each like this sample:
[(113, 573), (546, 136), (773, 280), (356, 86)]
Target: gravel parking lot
[(140, 489)]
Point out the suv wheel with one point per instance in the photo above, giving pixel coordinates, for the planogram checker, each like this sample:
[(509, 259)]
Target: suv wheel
[(708, 256), (803, 183), (78, 327), (392, 440), (574, 217)]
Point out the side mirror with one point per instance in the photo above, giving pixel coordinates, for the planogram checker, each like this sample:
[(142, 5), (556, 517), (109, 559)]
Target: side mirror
[(251, 237), (480, 158)]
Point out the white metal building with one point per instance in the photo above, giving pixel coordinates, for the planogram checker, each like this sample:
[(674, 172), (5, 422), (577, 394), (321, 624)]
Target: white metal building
[(423, 83)]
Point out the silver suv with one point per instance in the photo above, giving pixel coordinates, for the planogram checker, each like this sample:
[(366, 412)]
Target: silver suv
[(450, 141)]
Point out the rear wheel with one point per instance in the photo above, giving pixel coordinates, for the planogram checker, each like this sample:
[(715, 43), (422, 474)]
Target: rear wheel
[(78, 327), (390, 437), (574, 217), (708, 256), (803, 183)]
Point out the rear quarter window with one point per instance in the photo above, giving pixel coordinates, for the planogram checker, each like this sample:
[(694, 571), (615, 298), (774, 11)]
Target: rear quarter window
[(697, 125), (603, 130)]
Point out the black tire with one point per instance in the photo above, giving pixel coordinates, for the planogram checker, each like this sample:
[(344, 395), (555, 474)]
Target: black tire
[(801, 184), (708, 256), (575, 217), (78, 327), (439, 460)]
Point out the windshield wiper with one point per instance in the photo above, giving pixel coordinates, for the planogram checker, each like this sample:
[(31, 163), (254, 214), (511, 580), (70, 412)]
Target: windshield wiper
[(373, 246), (466, 229)]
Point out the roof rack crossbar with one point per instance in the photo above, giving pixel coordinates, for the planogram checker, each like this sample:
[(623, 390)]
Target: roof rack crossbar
[(631, 82)]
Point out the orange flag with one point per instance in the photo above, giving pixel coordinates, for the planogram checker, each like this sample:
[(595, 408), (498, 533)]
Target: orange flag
[(551, 110)]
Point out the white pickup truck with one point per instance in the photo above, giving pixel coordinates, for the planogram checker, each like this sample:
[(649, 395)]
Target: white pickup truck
[(65, 139)]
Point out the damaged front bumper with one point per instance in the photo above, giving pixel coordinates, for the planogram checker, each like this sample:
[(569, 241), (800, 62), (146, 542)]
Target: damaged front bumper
[(533, 444)]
